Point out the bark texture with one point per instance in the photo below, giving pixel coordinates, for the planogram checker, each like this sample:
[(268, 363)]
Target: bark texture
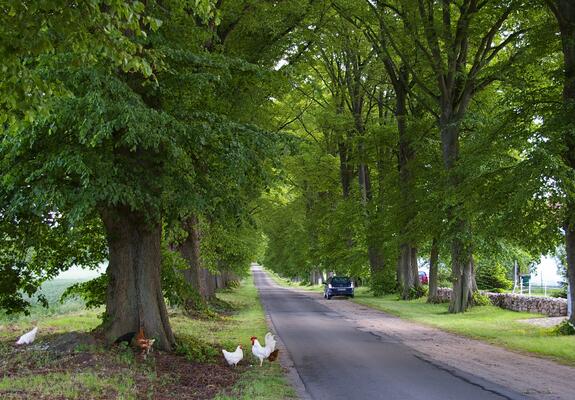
[(433, 272), (134, 298), (564, 11), (461, 250), (196, 275), (407, 274)]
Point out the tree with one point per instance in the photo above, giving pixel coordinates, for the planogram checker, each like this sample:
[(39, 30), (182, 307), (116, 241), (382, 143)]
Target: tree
[(462, 51), (113, 145), (564, 11)]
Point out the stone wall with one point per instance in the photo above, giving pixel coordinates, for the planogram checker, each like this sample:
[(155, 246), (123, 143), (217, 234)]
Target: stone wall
[(550, 306)]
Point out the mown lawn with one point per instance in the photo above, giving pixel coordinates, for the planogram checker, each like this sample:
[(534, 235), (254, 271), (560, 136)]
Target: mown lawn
[(100, 373), (489, 323)]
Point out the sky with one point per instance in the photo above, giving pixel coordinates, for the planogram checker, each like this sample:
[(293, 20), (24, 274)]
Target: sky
[(546, 273), (80, 273)]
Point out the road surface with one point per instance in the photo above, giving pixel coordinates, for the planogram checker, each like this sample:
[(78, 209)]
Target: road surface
[(335, 360)]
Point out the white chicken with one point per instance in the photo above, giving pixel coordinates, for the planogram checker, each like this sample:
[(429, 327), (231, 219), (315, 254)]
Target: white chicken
[(233, 358), (270, 342), (259, 351), (29, 337)]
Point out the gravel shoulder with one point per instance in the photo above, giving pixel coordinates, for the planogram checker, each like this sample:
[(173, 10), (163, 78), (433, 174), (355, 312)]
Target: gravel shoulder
[(535, 377)]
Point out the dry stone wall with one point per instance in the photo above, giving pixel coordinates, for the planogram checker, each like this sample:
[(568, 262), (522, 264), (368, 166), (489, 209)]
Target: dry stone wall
[(550, 306)]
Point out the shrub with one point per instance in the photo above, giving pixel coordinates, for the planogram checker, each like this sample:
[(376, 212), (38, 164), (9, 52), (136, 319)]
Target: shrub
[(195, 349), (492, 276), (564, 328), (562, 293), (480, 299), (444, 276), (420, 291)]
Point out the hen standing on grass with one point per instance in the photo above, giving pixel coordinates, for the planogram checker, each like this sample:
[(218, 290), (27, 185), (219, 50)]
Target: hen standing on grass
[(259, 351), (271, 345), (145, 345), (270, 342), (28, 338), (233, 358), (263, 352), (273, 355)]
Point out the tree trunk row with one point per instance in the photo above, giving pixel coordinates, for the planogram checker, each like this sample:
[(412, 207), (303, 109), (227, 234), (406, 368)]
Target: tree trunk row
[(565, 13), (407, 271)]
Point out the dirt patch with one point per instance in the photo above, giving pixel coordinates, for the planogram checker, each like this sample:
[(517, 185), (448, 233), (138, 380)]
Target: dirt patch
[(543, 322), (160, 376), (71, 341), (191, 381)]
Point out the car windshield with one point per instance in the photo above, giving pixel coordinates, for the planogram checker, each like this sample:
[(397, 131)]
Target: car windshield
[(340, 281)]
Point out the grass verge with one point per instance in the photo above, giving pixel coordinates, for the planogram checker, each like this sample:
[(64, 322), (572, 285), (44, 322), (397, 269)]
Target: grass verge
[(99, 373), (265, 383)]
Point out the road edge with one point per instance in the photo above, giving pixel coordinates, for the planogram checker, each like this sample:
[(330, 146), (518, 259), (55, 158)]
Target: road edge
[(285, 359)]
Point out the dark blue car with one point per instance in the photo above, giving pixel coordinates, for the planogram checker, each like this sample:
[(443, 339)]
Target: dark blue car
[(338, 286)]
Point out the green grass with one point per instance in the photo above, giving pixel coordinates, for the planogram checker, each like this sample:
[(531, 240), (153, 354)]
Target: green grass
[(265, 383), (113, 374), (260, 384), (82, 385), (52, 290), (489, 323)]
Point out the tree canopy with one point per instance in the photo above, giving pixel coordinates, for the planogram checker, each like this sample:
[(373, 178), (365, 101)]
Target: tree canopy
[(178, 141)]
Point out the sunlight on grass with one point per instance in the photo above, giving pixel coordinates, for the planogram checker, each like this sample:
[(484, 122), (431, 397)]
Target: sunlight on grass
[(69, 386)]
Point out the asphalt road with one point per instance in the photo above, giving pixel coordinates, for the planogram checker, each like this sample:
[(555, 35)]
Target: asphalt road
[(337, 361)]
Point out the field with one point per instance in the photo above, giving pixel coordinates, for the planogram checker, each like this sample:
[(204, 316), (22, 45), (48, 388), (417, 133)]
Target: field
[(91, 371)]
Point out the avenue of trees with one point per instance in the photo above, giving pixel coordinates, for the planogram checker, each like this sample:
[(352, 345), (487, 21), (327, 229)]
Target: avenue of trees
[(430, 130), (178, 140)]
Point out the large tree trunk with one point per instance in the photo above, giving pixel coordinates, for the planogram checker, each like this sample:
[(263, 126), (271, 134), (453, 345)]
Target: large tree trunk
[(374, 245), (134, 298), (408, 277), (570, 249), (461, 250), (196, 275), (433, 272), (345, 169), (462, 270), (564, 10)]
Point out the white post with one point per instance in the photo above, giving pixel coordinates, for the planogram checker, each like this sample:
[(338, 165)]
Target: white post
[(569, 302), (520, 285), (514, 276)]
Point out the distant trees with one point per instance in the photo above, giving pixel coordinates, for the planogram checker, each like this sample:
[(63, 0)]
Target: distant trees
[(457, 132)]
